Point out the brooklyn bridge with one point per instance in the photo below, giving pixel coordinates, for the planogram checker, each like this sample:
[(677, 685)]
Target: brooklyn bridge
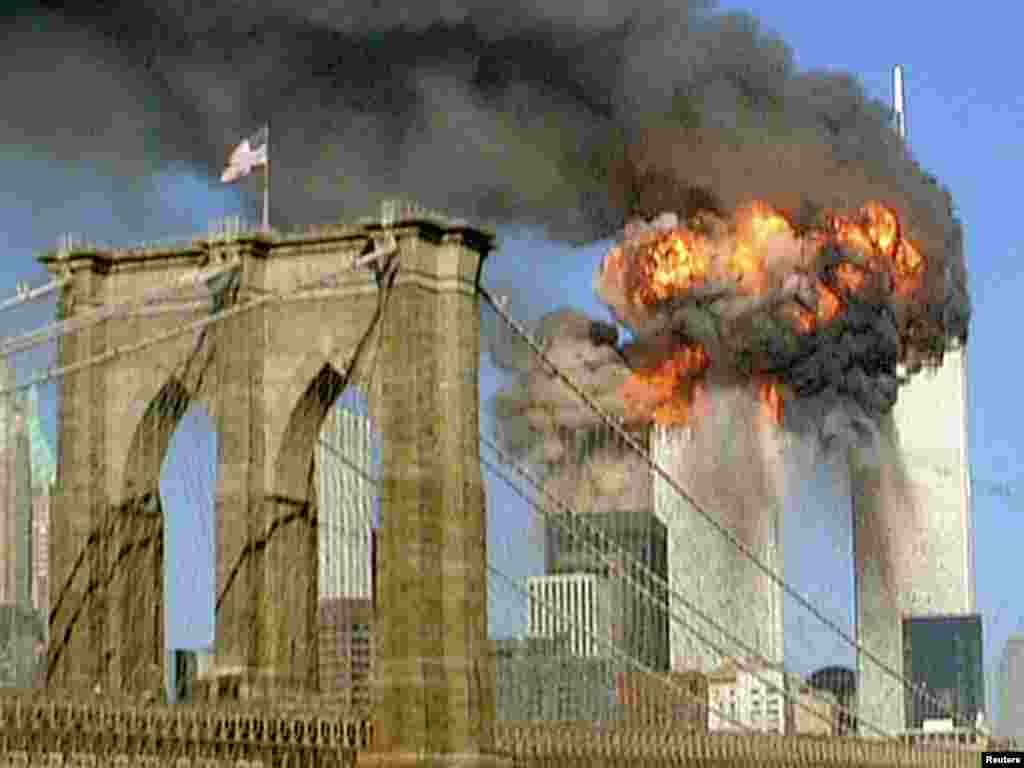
[(356, 583)]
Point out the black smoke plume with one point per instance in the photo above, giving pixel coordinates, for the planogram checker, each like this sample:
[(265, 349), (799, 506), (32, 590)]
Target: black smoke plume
[(570, 116)]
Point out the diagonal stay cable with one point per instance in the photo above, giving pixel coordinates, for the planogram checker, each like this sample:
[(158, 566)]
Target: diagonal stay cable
[(34, 293), (52, 374), (107, 311)]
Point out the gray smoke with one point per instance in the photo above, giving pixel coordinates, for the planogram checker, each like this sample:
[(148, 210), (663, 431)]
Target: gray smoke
[(570, 116)]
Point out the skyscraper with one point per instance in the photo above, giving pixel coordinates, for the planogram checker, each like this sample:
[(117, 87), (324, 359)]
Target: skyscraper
[(24, 608), (44, 474), (723, 604), (579, 608), (347, 497), (927, 568), (16, 498), (636, 542), (347, 494), (942, 657), (1011, 690)]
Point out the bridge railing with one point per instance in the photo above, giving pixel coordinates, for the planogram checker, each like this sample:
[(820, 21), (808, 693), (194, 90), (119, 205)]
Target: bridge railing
[(39, 721)]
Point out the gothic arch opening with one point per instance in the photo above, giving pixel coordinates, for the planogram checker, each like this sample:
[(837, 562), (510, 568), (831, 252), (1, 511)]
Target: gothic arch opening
[(188, 482), (330, 457), (161, 543)]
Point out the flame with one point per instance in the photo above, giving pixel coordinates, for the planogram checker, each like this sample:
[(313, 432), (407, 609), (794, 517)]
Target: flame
[(772, 401), (664, 393), (804, 321), (877, 234), (875, 231), (909, 268), (830, 306), (851, 235), (653, 266), (850, 277), (756, 224), (882, 227), (669, 265), (675, 412), (656, 266), (763, 221)]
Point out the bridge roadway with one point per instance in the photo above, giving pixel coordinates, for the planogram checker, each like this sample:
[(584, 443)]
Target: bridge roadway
[(37, 729)]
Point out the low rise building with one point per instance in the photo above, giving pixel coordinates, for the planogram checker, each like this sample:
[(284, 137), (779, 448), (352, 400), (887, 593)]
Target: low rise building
[(814, 712), (346, 651), (746, 695), (679, 699), (542, 679)]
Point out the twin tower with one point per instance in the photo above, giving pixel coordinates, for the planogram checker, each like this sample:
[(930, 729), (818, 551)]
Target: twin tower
[(912, 531)]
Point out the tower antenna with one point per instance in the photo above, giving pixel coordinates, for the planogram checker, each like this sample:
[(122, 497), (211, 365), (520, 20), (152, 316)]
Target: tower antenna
[(899, 113)]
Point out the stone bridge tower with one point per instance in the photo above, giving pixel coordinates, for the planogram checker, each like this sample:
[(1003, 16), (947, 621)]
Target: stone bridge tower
[(299, 323)]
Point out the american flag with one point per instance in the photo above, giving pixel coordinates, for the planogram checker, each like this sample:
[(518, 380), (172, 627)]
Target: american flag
[(250, 154)]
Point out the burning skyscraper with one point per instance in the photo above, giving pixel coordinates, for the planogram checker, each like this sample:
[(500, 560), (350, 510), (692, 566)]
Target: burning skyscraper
[(756, 334), (913, 521)]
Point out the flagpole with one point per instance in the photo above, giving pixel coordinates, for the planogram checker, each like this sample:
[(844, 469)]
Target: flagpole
[(266, 186)]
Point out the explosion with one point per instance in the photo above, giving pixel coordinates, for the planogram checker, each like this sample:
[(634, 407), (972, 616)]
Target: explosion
[(666, 390), (831, 310)]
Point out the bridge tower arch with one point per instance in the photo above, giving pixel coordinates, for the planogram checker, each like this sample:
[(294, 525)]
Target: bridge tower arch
[(299, 318)]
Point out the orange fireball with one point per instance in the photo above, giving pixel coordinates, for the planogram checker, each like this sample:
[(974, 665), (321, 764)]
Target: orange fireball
[(882, 227), (654, 266), (755, 224), (909, 268), (878, 235), (850, 277), (668, 265), (664, 393), (830, 306)]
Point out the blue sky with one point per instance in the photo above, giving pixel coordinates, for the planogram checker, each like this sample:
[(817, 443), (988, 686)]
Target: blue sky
[(964, 118)]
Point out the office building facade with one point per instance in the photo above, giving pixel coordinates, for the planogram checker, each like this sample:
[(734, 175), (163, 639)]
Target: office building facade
[(942, 658), (347, 499), (582, 608), (631, 549), (539, 678)]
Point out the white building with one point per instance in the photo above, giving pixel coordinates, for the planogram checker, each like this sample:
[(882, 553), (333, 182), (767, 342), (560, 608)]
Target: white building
[(347, 494), (580, 607), (750, 697)]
